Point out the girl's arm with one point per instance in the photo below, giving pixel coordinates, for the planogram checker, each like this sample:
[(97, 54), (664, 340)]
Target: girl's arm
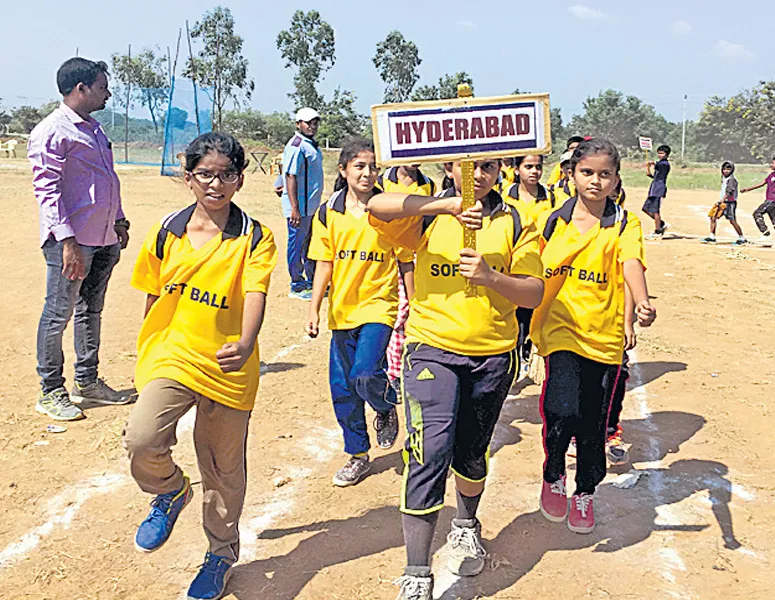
[(323, 271), (391, 206), (520, 290), (406, 270), (635, 278), (150, 300), (233, 356), (630, 339)]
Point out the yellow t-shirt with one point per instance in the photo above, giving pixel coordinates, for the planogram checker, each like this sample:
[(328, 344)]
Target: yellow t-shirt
[(562, 191), (533, 208), (364, 281), (555, 175), (201, 297), (441, 315), (388, 182), (583, 306), (508, 176)]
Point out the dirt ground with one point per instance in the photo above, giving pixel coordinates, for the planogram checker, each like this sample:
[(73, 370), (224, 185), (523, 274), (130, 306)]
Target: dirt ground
[(698, 524)]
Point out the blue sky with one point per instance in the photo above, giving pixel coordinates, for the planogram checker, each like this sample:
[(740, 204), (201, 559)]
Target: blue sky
[(657, 51)]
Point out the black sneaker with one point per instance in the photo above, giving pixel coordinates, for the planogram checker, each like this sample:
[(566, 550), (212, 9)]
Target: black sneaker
[(386, 426)]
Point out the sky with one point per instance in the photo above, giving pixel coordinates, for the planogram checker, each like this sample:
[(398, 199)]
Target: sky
[(658, 51)]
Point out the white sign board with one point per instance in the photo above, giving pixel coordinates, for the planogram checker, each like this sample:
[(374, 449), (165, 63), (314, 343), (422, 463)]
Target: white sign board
[(461, 129), (645, 143)]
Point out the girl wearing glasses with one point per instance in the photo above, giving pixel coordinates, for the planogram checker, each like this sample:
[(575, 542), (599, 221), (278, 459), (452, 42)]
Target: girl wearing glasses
[(205, 270)]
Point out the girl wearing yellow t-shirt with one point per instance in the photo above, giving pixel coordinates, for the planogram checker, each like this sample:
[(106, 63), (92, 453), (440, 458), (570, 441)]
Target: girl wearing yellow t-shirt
[(592, 250), (459, 359), (361, 268)]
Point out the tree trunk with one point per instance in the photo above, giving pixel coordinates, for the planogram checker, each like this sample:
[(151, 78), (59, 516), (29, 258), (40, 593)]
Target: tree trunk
[(149, 98)]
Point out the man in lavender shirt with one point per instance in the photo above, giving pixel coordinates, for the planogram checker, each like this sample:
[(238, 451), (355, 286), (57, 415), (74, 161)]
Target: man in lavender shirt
[(82, 232)]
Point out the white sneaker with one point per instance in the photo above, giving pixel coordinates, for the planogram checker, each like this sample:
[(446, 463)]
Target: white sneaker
[(765, 237)]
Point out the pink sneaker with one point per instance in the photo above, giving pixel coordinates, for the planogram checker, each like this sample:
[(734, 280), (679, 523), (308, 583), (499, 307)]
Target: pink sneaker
[(554, 500), (582, 514)]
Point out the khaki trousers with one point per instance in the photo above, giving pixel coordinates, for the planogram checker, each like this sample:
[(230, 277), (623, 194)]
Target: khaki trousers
[(220, 436)]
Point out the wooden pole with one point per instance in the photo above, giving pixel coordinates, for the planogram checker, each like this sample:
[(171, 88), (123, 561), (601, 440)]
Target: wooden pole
[(467, 168), (193, 79), (126, 114)]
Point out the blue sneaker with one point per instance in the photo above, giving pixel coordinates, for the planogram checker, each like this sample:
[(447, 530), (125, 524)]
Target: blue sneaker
[(301, 294), (157, 527), (210, 582)]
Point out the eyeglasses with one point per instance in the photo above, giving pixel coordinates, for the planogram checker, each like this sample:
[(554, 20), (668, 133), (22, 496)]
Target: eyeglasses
[(207, 177)]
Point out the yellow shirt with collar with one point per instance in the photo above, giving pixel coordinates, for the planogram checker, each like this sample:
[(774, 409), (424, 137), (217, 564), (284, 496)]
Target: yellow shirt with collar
[(583, 306), (533, 208), (441, 315), (389, 182), (201, 297), (364, 280)]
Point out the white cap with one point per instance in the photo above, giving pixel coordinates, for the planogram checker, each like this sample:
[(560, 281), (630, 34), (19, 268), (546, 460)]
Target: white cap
[(307, 115), (565, 156)]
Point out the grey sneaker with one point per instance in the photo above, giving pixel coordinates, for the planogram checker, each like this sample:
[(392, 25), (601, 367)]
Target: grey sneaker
[(352, 472), (56, 404), (415, 587), (386, 426), (99, 392), (466, 557)]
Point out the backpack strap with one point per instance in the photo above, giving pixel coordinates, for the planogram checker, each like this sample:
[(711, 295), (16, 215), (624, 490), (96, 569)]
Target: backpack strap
[(256, 236), (323, 214), (161, 239)]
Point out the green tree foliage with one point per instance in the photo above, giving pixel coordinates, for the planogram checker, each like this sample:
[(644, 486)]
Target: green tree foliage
[(620, 119), (146, 74), (397, 60), (5, 118), (273, 129), (445, 89), (340, 119), (558, 130), (219, 63), (307, 47), (24, 119)]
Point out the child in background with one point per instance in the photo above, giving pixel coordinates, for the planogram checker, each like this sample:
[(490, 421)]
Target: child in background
[(459, 360), (508, 172), (658, 189), (726, 205), (564, 188), (528, 194), (205, 270), (361, 268), (406, 180), (592, 253), (558, 172), (768, 206)]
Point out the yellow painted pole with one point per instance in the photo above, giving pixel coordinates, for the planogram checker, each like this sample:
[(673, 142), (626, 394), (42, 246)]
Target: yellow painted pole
[(469, 199)]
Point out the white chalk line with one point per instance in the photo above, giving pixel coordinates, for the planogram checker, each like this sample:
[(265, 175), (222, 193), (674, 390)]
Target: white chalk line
[(62, 510)]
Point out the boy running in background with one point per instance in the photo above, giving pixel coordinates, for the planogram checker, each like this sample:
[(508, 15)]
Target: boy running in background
[(205, 270), (726, 205), (768, 206), (658, 189)]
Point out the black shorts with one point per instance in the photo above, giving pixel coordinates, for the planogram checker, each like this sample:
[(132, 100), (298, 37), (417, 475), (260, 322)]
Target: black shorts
[(652, 204), (452, 404), (730, 212)]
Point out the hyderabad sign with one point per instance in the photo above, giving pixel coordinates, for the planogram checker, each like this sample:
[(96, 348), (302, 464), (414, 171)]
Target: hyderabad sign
[(461, 129)]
